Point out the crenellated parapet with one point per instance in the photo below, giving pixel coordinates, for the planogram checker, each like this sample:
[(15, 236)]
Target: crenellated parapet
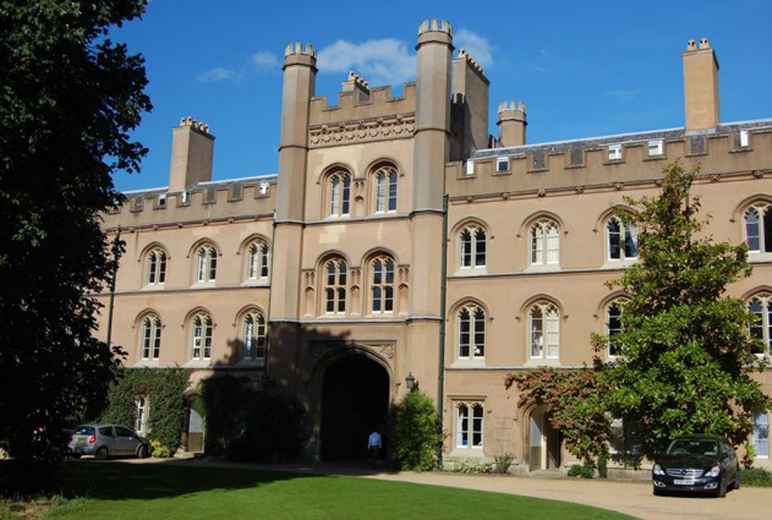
[(435, 25), (378, 103)]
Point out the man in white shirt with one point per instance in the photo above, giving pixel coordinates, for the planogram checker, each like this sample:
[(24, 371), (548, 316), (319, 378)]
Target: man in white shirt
[(374, 446)]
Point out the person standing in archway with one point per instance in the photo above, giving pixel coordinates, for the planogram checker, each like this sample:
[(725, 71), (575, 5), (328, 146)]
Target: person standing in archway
[(374, 447)]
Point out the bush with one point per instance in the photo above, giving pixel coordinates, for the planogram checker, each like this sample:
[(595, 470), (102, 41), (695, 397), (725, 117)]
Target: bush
[(756, 477), (501, 463), (158, 450), (749, 456), (247, 424), (416, 433), (472, 466), (164, 388), (582, 470), (603, 465)]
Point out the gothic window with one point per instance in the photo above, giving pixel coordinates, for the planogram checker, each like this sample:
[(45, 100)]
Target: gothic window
[(386, 189), (471, 332), (545, 243), (258, 260), (761, 326), (382, 285), (472, 240), (202, 336), (254, 337), (622, 239), (339, 186), (156, 266), (469, 425), (151, 337), (758, 228), (206, 264), (141, 409), (613, 327), (544, 331), (335, 282), (761, 433)]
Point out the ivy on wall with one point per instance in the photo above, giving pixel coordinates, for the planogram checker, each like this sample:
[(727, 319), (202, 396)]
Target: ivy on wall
[(164, 389)]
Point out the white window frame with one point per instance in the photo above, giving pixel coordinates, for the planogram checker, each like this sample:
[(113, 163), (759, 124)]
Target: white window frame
[(502, 161), (141, 411), (476, 333), (150, 338), (254, 337), (258, 261), (385, 192), (206, 264), (618, 304), (335, 279), (550, 317), (201, 340), (745, 138), (544, 245), (615, 152), (339, 194), (626, 231), (382, 285), (765, 323), (760, 419), (655, 147), (156, 263), (760, 210), (475, 238), (469, 168), (468, 423)]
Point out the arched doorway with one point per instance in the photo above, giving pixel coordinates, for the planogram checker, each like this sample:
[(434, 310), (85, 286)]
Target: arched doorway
[(355, 401), (544, 441)]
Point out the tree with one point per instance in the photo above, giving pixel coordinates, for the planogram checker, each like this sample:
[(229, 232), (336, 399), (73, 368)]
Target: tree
[(68, 99), (687, 356), (416, 435)]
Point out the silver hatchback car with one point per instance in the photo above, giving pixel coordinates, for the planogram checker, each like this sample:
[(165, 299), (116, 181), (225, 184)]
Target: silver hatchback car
[(106, 440)]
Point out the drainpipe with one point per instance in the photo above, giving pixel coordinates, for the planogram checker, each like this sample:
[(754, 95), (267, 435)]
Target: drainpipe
[(116, 255), (270, 290), (443, 296)]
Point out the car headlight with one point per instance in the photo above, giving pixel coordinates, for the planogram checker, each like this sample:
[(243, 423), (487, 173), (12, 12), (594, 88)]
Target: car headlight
[(658, 470), (714, 472)]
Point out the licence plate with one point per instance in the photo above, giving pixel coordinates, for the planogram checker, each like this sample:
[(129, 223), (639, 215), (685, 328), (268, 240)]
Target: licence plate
[(683, 482)]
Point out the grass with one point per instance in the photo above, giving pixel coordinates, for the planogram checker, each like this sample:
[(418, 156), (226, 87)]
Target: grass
[(116, 491)]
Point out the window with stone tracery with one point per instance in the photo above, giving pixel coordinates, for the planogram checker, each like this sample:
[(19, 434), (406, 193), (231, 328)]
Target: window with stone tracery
[(761, 326), (339, 194), (258, 260), (471, 332), (382, 285), (469, 425), (386, 178), (758, 228), (544, 242), (472, 247), (622, 239), (206, 264), (253, 336), (201, 337), (544, 331), (335, 284), (150, 346), (155, 267)]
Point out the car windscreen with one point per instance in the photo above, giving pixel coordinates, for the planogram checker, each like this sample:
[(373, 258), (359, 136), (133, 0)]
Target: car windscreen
[(693, 447), (85, 430)]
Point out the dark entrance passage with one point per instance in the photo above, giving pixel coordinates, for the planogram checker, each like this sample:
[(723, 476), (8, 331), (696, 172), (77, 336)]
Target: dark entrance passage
[(355, 400)]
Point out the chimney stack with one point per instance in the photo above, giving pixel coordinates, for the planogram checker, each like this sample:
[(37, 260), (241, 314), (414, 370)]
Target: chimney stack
[(512, 123), (192, 152), (701, 99), (358, 86)]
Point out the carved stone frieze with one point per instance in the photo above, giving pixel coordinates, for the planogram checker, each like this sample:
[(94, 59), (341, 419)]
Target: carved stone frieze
[(361, 131)]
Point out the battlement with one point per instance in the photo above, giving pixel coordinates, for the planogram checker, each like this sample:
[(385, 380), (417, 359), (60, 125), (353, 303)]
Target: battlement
[(435, 25), (355, 80), (195, 124), (511, 107), (464, 55), (378, 103), (207, 202), (295, 48)]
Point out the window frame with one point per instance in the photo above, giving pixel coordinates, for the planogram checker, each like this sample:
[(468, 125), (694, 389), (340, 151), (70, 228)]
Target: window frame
[(256, 341), (141, 411), (379, 283), (502, 161), (469, 423), (385, 189), (150, 337), (205, 343), (539, 242), (544, 347), (205, 264), (258, 261), (627, 231), (475, 251), (763, 213), (156, 263), (476, 316), (659, 147), (339, 287), (618, 304), (765, 326), (756, 438), (615, 152), (338, 194)]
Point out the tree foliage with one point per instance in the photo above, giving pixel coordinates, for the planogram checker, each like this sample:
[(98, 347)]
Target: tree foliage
[(69, 97), (416, 436), (687, 357), (164, 390)]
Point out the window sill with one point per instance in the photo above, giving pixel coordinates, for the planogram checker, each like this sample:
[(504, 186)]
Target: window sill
[(472, 452), (541, 362), (468, 363), (203, 285), (153, 287), (616, 264), (759, 257), (262, 282), (542, 268), (471, 271), (147, 363), (198, 363)]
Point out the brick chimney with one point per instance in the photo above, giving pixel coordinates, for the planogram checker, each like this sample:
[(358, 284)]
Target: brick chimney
[(701, 100), (192, 152), (512, 123)]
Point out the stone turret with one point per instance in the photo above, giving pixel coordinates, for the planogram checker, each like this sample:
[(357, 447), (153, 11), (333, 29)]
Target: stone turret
[(469, 107), (512, 122)]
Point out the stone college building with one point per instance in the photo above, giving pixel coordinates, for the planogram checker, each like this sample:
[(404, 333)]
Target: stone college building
[(401, 244)]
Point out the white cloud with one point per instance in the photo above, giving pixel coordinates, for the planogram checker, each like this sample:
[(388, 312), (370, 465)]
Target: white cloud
[(217, 74), (478, 46), (265, 60), (380, 61)]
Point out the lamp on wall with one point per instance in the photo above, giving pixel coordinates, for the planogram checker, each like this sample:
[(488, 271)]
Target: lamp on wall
[(410, 382)]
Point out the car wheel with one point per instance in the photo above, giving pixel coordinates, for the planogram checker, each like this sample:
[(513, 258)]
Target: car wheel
[(102, 453), (142, 452)]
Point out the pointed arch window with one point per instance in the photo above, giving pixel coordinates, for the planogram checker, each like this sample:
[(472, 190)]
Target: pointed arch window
[(382, 285), (386, 179), (758, 228), (472, 240), (622, 239), (254, 337), (545, 243), (206, 264), (202, 337), (156, 266), (471, 332), (544, 331), (335, 281), (761, 326), (469, 425), (339, 186), (151, 337), (613, 327), (258, 260)]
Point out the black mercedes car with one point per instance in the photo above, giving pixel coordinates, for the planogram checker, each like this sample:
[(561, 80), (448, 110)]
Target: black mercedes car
[(699, 464)]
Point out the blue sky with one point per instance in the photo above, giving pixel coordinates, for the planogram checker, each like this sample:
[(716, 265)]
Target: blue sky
[(607, 67)]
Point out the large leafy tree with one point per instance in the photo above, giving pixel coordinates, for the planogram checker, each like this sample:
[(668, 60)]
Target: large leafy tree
[(69, 97), (687, 357)]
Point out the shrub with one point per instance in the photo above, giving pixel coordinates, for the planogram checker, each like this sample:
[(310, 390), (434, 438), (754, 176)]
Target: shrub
[(582, 470), (416, 433), (159, 450), (757, 477), (472, 466), (749, 456), (501, 463), (603, 465)]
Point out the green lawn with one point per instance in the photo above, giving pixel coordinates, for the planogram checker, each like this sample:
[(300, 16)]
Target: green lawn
[(116, 490)]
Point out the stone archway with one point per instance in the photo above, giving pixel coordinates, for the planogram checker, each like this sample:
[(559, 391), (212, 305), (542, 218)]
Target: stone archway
[(354, 401), (543, 441)]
